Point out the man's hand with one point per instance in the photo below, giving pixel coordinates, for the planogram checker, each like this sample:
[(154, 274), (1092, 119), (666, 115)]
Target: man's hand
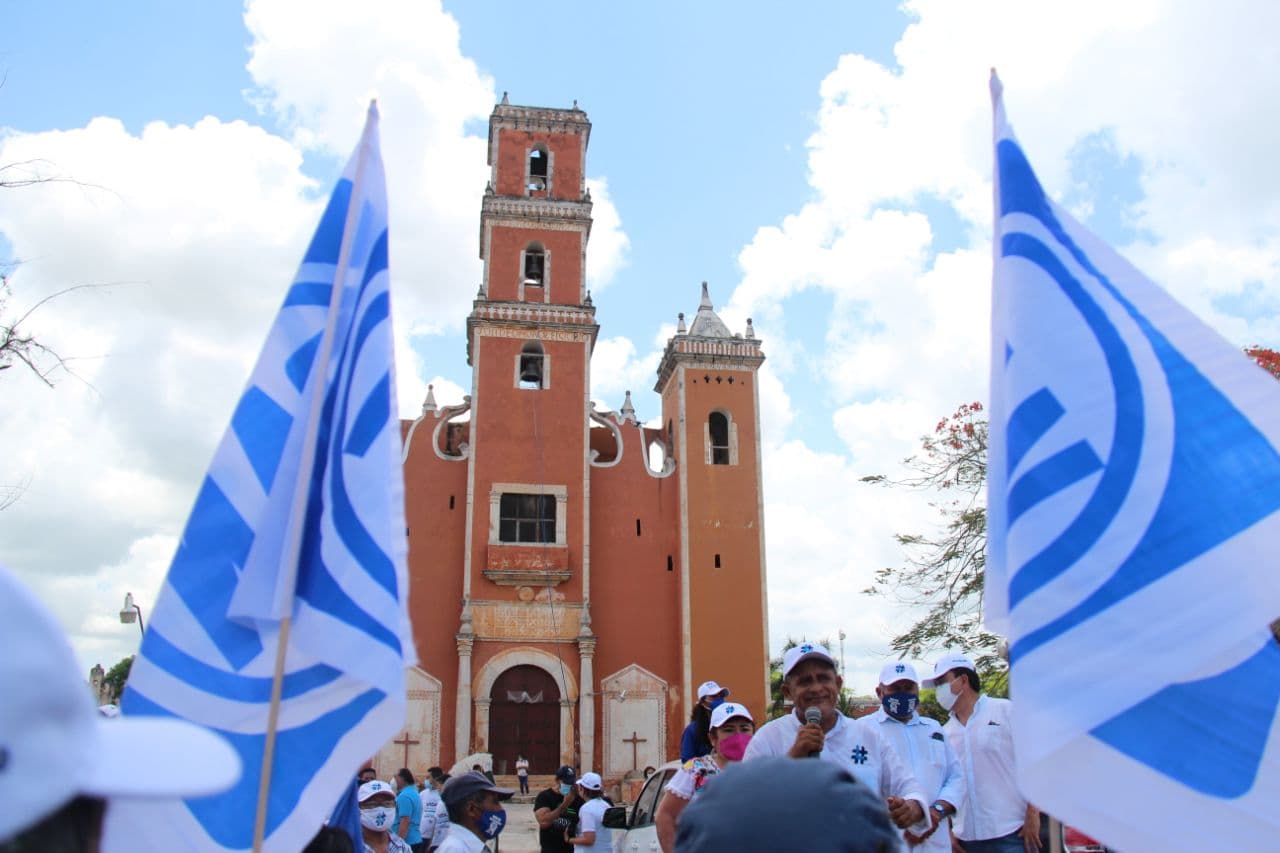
[(904, 813), (1030, 832), (809, 740), (912, 839)]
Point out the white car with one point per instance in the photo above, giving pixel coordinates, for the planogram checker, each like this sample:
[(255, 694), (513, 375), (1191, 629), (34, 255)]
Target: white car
[(640, 835)]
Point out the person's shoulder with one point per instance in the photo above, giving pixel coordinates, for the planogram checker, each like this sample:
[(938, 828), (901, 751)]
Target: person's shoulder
[(929, 723), (546, 798)]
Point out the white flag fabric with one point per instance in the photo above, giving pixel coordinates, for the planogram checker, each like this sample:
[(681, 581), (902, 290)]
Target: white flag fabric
[(1134, 540), (310, 464)]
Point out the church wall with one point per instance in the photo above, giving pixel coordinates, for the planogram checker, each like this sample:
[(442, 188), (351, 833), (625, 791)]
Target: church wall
[(566, 162), (436, 548), (532, 437), (728, 622), (564, 250), (635, 600)]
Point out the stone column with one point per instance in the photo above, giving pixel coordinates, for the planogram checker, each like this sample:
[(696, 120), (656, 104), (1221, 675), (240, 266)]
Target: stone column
[(462, 721), (482, 723), (587, 691), (566, 733)]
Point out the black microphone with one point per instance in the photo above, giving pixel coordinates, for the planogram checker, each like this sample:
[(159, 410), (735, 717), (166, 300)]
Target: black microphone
[(813, 715)]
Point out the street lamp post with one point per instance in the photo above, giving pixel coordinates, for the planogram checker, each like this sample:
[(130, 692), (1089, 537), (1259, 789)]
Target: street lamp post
[(132, 611)]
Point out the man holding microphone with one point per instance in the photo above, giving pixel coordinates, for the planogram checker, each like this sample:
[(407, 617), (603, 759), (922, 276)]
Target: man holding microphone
[(817, 729)]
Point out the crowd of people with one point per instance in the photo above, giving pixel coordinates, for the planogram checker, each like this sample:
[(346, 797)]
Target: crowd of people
[(890, 780)]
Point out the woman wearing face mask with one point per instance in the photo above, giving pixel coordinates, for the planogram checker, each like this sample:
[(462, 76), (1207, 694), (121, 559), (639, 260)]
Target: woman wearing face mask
[(377, 815), (730, 732)]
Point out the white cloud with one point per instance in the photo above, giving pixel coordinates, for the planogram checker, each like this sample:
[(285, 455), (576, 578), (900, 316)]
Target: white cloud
[(199, 228), (905, 340), (607, 249)]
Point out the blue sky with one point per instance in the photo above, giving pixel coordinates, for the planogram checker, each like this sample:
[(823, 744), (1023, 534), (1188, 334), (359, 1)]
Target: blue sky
[(825, 168)]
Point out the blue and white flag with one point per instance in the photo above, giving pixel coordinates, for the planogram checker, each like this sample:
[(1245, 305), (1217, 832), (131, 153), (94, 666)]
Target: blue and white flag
[(301, 514), (1134, 540)]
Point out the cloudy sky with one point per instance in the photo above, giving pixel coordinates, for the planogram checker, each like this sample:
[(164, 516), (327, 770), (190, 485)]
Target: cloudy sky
[(827, 171)]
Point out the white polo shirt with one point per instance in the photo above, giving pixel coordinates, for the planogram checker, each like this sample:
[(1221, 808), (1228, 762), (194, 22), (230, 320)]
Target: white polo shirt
[(994, 806), (856, 745), (920, 744)]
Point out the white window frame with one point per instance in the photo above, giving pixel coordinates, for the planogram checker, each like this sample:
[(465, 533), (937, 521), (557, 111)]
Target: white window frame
[(497, 490), (733, 437), (546, 367)]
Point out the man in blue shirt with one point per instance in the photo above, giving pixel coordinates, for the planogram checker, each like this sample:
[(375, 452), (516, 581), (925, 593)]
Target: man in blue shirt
[(409, 811)]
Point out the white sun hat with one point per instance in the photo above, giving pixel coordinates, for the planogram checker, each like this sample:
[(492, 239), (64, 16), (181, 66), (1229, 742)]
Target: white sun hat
[(55, 745)]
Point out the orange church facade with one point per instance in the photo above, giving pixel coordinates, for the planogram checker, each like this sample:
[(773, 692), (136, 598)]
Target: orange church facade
[(574, 574)]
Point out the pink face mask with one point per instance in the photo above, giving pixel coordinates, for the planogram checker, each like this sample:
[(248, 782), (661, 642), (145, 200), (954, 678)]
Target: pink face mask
[(733, 746)]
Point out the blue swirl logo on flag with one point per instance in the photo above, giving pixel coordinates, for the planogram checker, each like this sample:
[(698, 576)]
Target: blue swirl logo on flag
[(1134, 503), (300, 515)]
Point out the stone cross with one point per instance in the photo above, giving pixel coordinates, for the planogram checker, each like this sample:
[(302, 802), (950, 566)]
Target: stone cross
[(635, 744), (407, 743)]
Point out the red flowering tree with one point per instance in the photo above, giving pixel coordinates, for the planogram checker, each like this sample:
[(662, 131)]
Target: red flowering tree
[(1267, 359), (943, 575)]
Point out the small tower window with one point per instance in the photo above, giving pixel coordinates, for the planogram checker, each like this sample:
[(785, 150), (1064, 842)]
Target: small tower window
[(718, 427), (539, 171), (720, 438), (535, 265), (532, 367)]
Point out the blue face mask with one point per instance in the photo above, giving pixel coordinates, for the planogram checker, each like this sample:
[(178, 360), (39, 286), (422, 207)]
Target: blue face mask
[(565, 789), (899, 704), (491, 823)]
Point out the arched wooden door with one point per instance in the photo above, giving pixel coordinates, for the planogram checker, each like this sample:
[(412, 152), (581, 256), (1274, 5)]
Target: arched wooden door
[(524, 719)]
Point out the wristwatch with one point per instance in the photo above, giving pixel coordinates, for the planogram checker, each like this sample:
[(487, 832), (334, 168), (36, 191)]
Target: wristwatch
[(940, 809)]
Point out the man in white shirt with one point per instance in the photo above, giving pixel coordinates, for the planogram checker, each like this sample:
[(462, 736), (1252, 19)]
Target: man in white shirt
[(995, 817), (810, 681), (921, 745)]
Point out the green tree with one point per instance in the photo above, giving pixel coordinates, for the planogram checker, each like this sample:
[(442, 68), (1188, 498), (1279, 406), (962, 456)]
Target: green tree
[(944, 570), (117, 676)]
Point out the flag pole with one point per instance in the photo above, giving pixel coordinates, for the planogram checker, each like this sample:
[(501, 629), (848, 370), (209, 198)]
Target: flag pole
[(306, 467)]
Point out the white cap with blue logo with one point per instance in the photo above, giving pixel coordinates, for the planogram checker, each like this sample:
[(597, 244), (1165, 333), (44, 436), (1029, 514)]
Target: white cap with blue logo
[(898, 670)]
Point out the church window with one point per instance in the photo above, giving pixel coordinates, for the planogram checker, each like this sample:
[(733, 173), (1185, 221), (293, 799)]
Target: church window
[(532, 368), (721, 437), (527, 518), (717, 561), (538, 177), (671, 563), (535, 265)]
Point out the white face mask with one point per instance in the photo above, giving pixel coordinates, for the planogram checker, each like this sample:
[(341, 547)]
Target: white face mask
[(946, 698), (378, 819)]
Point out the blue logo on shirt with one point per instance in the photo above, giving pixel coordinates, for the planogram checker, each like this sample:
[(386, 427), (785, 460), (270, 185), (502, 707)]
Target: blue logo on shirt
[(859, 754)]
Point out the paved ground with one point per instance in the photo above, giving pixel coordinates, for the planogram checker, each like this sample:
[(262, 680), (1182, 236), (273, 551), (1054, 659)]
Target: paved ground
[(520, 835)]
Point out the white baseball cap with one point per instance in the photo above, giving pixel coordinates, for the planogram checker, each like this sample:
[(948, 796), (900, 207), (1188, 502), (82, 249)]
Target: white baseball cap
[(375, 786), (726, 711), (55, 745), (710, 688), (803, 652), (945, 665), (897, 671), (591, 781)]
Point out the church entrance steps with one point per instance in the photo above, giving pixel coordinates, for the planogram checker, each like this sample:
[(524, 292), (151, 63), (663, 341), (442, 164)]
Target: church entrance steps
[(537, 784)]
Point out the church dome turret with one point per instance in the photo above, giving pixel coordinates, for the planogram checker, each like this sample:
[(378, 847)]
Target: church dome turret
[(707, 323)]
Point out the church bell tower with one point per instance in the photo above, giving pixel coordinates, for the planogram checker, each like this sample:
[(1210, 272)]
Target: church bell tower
[(529, 340)]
